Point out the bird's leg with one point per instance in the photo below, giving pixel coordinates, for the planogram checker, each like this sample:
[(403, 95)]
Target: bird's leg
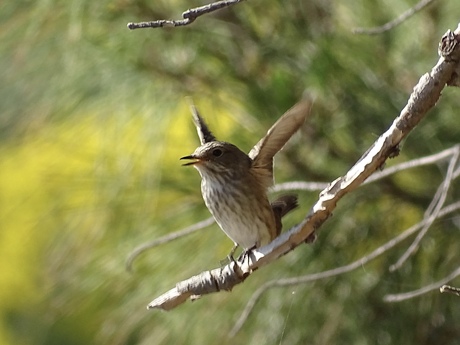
[(246, 253), (230, 257)]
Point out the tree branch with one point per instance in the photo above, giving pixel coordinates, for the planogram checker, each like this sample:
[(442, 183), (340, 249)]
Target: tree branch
[(433, 210), (407, 295), (395, 22), (335, 271), (189, 16), (317, 186), (424, 96), (164, 239), (450, 289)]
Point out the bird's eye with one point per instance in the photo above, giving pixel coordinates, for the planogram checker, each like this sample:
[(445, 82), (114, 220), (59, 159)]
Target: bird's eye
[(217, 152)]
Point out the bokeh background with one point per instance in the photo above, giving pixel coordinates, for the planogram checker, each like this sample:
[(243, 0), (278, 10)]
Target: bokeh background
[(93, 119)]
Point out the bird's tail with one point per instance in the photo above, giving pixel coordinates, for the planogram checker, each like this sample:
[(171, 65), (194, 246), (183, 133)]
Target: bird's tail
[(281, 206)]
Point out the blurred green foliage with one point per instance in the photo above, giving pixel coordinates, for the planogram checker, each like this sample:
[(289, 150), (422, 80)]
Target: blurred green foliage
[(93, 121)]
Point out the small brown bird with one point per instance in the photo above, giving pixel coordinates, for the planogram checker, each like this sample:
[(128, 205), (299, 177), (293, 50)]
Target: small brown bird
[(234, 184)]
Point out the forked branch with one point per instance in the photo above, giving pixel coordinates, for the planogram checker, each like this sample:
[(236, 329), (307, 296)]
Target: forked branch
[(188, 16)]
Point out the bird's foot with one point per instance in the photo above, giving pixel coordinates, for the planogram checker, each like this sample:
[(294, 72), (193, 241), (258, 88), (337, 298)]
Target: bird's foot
[(246, 254)]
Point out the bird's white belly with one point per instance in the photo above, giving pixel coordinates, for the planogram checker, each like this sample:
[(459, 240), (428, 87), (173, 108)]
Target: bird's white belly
[(247, 221)]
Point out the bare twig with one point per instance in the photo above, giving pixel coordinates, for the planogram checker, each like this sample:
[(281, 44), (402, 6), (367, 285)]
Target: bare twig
[(395, 22), (189, 16), (450, 289), (428, 160), (167, 238), (432, 213), (424, 290), (317, 186), (425, 95), (299, 185), (336, 271)]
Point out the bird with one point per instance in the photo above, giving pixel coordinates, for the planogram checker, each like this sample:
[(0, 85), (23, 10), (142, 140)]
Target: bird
[(234, 184)]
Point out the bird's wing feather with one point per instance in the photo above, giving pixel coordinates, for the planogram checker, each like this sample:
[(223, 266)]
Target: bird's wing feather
[(277, 136)]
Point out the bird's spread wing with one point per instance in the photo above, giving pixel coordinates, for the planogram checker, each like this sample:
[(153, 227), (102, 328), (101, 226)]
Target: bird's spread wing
[(203, 131), (277, 136)]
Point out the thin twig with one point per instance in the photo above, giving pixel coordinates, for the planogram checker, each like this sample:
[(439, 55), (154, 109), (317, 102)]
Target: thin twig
[(299, 185), (450, 289), (435, 207), (188, 16), (423, 290), (395, 22), (167, 238), (318, 186), (418, 162)]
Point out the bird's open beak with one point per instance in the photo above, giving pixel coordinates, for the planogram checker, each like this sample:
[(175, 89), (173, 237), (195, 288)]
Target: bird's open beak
[(195, 160)]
